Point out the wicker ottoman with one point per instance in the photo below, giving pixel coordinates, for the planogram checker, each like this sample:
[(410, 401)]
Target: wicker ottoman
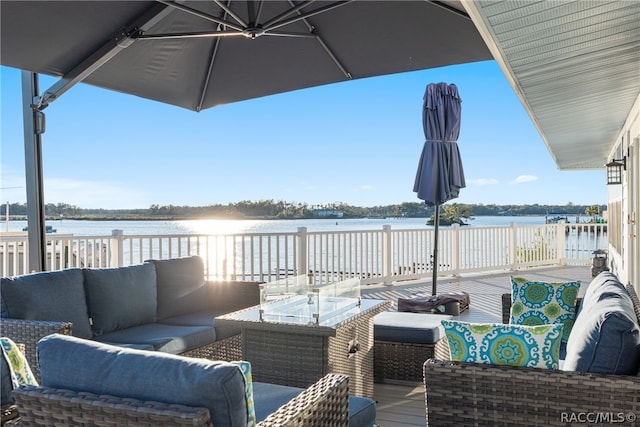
[(403, 342)]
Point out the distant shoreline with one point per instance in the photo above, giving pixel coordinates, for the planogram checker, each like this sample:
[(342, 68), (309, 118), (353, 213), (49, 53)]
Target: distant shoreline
[(230, 218)]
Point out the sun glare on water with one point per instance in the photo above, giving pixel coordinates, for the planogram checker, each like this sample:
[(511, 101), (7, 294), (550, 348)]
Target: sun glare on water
[(219, 226)]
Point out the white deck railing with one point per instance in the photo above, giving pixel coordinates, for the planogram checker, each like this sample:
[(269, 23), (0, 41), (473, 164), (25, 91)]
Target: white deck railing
[(374, 255)]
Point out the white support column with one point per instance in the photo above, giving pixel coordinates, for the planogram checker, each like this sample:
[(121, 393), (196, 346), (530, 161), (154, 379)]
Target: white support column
[(302, 254), (118, 237), (387, 254), (455, 249), (561, 243), (513, 241)]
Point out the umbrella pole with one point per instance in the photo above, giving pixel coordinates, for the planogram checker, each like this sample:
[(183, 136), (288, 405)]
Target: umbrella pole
[(435, 251)]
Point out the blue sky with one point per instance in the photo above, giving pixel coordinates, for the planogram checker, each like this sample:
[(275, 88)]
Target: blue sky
[(355, 142)]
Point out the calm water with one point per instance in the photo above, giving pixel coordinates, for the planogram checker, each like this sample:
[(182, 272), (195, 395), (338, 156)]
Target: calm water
[(104, 228)]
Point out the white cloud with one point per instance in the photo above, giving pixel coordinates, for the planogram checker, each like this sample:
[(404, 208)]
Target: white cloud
[(366, 187), (524, 178), (483, 181)]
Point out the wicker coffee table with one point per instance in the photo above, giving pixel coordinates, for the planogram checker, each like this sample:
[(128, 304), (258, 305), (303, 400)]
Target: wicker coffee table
[(298, 354)]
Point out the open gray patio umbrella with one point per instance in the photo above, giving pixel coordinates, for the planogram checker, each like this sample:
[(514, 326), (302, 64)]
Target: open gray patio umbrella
[(440, 175), (199, 54)]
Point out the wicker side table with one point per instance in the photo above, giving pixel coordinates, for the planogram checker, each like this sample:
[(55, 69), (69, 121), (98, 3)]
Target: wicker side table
[(298, 355)]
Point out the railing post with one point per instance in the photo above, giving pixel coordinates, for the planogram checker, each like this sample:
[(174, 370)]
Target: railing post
[(513, 241), (387, 252), (302, 253), (455, 250), (118, 256), (561, 233)]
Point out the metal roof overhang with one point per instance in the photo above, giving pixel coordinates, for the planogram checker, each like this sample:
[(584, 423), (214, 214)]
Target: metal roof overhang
[(575, 66)]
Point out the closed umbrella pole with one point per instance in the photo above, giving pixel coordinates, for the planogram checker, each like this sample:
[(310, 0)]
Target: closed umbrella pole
[(434, 280)]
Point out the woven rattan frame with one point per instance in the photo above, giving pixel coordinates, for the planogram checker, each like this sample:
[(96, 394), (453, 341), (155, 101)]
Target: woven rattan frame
[(29, 332), (488, 395), (44, 406), (325, 403), (400, 361), (298, 355), (227, 349)]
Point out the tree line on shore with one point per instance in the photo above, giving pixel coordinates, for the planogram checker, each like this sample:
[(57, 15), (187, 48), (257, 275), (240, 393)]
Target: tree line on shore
[(270, 209)]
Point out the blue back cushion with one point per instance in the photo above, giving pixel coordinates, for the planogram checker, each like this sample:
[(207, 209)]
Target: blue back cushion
[(606, 337), (82, 365), (604, 285), (55, 296), (120, 298), (181, 286)]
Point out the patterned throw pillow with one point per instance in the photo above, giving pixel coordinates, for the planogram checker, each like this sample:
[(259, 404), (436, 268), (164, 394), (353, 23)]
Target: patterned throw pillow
[(245, 367), (542, 303), (19, 367), (500, 344)]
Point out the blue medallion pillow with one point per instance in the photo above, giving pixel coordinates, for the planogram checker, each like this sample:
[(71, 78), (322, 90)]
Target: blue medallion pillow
[(500, 344), (543, 303)]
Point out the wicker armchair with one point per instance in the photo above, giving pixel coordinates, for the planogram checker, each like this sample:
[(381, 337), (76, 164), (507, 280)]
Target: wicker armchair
[(480, 394), (325, 403)]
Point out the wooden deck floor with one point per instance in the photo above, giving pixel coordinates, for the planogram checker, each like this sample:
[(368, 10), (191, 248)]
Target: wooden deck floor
[(402, 404)]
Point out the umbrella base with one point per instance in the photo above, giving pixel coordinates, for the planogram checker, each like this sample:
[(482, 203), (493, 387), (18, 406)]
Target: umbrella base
[(452, 303)]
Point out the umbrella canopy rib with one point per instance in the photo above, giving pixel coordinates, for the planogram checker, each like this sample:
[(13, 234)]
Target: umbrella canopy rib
[(240, 28), (231, 13), (102, 55), (306, 15), (212, 61)]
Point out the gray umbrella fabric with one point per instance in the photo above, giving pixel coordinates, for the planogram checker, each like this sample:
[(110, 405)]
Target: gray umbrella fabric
[(199, 54), (440, 174)]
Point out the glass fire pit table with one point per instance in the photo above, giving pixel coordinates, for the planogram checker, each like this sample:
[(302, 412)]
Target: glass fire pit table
[(302, 331)]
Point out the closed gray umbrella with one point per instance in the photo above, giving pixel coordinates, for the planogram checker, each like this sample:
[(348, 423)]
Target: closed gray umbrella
[(440, 175)]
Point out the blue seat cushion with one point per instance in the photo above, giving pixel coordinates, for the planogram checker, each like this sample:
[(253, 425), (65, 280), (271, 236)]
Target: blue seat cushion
[(415, 328), (120, 298), (269, 397), (203, 318), (55, 296), (605, 338), (166, 338), (199, 318), (182, 288), (83, 365), (148, 347)]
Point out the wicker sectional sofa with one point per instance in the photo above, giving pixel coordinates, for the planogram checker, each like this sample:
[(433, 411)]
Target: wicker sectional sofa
[(158, 311), (605, 337), (162, 305)]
